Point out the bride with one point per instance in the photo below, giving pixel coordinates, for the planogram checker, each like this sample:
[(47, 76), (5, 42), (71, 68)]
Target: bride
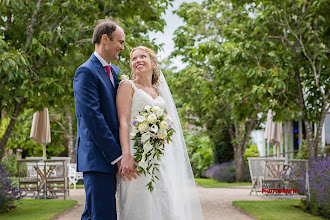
[(174, 196)]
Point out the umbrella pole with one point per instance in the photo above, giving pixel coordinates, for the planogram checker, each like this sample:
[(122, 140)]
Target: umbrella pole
[(44, 151), (278, 151)]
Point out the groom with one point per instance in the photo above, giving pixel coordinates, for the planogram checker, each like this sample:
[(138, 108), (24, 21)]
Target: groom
[(98, 148)]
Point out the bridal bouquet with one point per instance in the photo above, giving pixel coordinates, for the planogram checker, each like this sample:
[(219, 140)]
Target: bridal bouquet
[(150, 130)]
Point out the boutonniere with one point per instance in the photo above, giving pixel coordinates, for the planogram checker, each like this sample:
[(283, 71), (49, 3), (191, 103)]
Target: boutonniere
[(122, 76)]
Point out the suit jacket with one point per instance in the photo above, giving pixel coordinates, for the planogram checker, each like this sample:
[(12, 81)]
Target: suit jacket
[(97, 122)]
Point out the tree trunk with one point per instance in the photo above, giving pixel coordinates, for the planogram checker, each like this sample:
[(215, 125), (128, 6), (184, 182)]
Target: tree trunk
[(309, 138), (240, 137), (5, 138), (239, 162), (71, 146)]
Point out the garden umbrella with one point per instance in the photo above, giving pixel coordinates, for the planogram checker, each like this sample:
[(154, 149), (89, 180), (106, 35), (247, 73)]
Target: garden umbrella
[(273, 131), (40, 130)]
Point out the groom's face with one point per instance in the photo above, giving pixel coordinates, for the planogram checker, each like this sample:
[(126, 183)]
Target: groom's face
[(115, 46)]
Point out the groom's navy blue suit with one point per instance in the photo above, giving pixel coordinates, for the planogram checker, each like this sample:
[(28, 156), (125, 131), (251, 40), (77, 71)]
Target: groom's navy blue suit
[(97, 137)]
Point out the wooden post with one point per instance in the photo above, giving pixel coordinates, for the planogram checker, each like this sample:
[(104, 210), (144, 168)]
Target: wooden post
[(44, 151)]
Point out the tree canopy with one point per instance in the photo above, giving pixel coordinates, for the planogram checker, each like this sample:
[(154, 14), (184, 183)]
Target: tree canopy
[(44, 41), (246, 57)]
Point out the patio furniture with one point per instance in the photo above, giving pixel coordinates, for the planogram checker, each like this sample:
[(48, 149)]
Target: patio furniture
[(256, 167), (28, 179), (74, 175), (47, 176)]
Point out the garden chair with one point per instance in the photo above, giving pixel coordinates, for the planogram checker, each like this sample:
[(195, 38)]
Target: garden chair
[(74, 176), (55, 179), (28, 179), (256, 167)]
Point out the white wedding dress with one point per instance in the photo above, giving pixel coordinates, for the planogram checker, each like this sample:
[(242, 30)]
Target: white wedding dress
[(174, 196)]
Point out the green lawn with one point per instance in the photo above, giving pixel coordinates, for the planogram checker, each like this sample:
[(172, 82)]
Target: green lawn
[(78, 186), (38, 209), (275, 209), (215, 184)]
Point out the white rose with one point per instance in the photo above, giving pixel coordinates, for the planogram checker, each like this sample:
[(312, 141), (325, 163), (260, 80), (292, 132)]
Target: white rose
[(160, 112), (148, 107), (156, 108), (143, 164), (162, 135), (140, 118), (143, 127), (163, 125), (145, 137), (151, 118), (147, 147), (154, 128)]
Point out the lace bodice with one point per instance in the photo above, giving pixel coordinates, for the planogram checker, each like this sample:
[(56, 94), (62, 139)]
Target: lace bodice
[(141, 99)]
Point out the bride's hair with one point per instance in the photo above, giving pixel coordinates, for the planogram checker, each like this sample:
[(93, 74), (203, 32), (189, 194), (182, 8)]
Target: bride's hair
[(153, 57)]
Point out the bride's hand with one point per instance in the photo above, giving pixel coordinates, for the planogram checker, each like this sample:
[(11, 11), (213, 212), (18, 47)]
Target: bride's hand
[(128, 167)]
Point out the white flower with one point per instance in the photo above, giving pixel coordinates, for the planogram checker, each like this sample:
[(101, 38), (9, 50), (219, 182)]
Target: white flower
[(147, 107), (147, 147), (145, 137), (151, 118), (134, 130), (163, 125), (154, 128), (160, 112), (124, 77), (143, 127), (156, 108), (143, 164), (140, 118), (162, 135)]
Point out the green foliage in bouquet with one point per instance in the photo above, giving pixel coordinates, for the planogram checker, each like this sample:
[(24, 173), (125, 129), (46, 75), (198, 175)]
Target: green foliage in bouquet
[(151, 130)]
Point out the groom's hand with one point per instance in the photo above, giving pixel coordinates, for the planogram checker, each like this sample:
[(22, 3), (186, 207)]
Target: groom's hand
[(128, 168)]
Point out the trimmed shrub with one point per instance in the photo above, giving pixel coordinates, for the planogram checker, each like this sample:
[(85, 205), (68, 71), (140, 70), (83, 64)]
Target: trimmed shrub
[(200, 152), (225, 172)]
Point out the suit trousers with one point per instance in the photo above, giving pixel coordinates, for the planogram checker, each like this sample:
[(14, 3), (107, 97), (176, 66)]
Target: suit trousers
[(100, 189)]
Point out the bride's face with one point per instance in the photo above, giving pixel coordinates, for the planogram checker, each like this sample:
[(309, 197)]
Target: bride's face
[(141, 62)]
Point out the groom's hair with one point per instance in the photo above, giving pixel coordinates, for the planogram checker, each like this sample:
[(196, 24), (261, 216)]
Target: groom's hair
[(105, 26)]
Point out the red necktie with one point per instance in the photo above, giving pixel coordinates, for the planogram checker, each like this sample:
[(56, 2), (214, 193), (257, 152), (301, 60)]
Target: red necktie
[(107, 68)]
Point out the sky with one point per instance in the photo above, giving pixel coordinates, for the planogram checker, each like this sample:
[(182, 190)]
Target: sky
[(172, 23)]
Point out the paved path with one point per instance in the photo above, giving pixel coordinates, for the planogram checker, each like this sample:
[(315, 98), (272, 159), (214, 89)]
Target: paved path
[(216, 203)]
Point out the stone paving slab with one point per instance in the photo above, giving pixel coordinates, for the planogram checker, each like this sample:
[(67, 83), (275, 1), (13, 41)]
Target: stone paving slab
[(216, 203)]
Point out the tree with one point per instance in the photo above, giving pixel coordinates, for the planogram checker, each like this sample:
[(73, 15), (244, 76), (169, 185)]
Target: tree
[(231, 80), (302, 30), (43, 42)]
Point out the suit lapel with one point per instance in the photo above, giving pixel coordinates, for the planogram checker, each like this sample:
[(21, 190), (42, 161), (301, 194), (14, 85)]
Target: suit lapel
[(103, 74), (115, 77)]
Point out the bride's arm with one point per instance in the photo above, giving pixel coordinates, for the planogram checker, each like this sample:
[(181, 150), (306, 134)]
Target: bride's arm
[(124, 104)]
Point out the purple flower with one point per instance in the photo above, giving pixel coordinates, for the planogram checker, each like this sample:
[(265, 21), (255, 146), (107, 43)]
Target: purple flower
[(19, 150), (9, 191), (134, 122), (319, 179)]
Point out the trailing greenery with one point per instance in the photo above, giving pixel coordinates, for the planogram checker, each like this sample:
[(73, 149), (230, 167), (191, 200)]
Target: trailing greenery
[(38, 209), (275, 209)]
